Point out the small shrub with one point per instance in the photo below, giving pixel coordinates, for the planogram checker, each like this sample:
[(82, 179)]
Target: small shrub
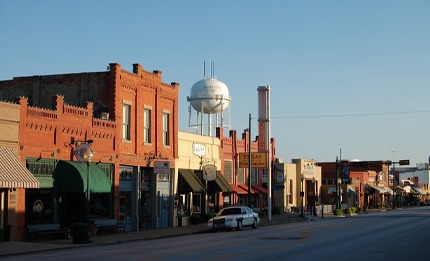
[(339, 212), (351, 210)]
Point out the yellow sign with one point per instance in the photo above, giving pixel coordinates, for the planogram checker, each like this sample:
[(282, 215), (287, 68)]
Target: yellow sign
[(258, 159)]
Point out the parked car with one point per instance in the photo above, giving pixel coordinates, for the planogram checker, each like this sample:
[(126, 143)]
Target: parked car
[(427, 202), (234, 217)]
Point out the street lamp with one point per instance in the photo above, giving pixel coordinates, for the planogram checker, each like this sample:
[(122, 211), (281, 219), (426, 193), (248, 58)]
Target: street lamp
[(302, 194), (314, 211), (339, 193), (364, 196), (88, 156), (400, 162)]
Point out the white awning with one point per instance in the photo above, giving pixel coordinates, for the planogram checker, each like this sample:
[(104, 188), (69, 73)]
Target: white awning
[(382, 190), (13, 173)]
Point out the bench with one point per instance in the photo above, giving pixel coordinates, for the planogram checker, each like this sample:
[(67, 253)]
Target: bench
[(108, 224), (35, 232)]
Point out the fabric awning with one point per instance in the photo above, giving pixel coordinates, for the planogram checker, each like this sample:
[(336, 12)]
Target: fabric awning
[(191, 179), (245, 187), (13, 173), (222, 183), (389, 190), (71, 176), (238, 190), (259, 188), (381, 190)]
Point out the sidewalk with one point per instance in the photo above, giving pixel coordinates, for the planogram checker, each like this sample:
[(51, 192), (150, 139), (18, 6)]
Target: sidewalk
[(19, 248)]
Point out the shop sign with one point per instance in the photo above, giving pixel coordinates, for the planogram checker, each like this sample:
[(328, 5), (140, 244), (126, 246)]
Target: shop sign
[(258, 159), (199, 149), (162, 167)]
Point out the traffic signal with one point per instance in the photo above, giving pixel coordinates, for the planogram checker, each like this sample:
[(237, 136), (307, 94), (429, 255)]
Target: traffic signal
[(333, 194)]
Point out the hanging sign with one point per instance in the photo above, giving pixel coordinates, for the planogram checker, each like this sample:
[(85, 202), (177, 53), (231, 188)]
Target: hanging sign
[(209, 172), (81, 150), (199, 149), (161, 167)]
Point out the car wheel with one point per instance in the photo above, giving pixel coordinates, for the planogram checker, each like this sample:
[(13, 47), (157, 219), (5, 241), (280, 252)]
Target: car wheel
[(239, 225), (254, 225)]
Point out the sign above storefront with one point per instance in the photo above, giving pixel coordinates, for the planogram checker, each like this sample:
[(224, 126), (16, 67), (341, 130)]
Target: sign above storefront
[(199, 149), (161, 167), (258, 160), (279, 177)]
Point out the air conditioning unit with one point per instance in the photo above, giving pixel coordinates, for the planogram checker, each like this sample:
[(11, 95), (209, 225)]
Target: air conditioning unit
[(105, 115)]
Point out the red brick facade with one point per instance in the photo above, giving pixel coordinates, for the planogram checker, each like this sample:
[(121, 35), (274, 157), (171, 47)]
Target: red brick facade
[(63, 109), (230, 148)]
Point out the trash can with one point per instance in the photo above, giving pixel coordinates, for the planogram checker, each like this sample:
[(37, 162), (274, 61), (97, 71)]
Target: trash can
[(179, 221), (81, 233)]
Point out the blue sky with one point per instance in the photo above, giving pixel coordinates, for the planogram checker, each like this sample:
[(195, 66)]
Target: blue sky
[(344, 75)]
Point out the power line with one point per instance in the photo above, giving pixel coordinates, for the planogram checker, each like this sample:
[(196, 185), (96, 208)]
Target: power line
[(348, 115)]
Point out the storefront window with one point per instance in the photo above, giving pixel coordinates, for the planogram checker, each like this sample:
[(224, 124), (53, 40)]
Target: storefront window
[(125, 205), (38, 206), (99, 205), (227, 201), (197, 203)]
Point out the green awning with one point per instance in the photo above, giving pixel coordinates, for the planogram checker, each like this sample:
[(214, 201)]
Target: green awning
[(191, 179), (222, 183), (45, 181), (71, 176)]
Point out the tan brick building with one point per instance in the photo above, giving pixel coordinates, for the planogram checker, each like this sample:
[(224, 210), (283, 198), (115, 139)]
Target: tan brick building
[(14, 177)]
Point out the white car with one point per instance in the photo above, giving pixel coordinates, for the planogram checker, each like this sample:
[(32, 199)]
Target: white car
[(234, 217)]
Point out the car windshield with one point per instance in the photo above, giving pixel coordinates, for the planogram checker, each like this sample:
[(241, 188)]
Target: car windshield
[(230, 211)]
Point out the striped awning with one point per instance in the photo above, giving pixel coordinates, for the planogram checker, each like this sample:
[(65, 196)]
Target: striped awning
[(13, 173)]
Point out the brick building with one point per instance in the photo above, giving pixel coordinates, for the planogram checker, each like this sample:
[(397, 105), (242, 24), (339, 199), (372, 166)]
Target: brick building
[(363, 183), (238, 177), (130, 121)]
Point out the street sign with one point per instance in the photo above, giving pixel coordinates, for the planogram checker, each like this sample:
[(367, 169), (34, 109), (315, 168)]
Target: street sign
[(403, 162)]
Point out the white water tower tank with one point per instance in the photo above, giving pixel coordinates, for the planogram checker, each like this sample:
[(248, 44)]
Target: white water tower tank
[(209, 96)]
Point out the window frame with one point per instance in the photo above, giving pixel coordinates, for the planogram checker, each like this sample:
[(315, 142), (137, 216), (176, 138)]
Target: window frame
[(147, 125), (166, 127), (126, 121)]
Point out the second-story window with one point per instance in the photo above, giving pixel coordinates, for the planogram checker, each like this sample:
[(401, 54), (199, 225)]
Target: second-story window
[(166, 141), (126, 108), (147, 125)]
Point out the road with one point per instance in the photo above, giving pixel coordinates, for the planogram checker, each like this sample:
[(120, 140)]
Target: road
[(392, 235)]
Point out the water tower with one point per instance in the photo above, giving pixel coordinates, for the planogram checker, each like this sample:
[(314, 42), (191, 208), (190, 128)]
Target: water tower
[(210, 97)]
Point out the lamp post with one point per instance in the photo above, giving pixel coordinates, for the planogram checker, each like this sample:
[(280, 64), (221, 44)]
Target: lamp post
[(302, 193), (314, 211), (339, 193), (364, 196), (88, 156), (400, 162)]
